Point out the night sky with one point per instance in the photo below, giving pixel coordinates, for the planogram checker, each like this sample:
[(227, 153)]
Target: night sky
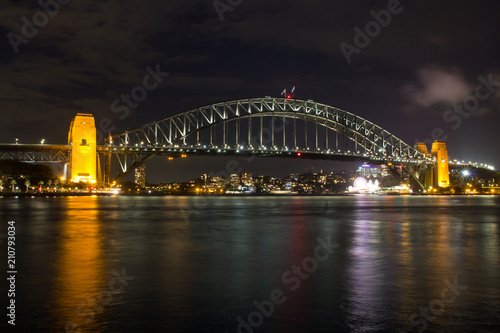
[(418, 64)]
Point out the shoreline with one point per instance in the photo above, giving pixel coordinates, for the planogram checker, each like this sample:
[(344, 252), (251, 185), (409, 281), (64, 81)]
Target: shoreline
[(86, 194)]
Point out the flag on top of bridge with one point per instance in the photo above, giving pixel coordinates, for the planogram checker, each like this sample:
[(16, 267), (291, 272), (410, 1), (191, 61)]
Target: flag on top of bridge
[(283, 93), (293, 89)]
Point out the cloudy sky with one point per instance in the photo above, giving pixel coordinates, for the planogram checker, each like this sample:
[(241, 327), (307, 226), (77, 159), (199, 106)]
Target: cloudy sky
[(411, 77)]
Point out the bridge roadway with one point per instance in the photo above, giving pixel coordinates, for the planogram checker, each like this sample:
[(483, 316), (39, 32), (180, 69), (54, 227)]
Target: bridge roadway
[(54, 153), (48, 153), (35, 153), (179, 151)]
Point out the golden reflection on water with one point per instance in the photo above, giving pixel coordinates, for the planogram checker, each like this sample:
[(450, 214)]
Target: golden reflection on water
[(80, 263)]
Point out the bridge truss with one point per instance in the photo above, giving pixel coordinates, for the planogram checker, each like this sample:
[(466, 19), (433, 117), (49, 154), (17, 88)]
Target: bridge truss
[(35, 153), (265, 127)]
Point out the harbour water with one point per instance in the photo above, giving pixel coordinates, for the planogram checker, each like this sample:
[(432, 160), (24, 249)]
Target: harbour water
[(254, 264)]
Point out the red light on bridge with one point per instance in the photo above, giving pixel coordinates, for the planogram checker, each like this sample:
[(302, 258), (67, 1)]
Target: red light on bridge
[(288, 96), (299, 154)]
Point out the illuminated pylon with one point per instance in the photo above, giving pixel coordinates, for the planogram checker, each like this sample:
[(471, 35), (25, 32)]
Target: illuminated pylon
[(441, 171), (82, 139)]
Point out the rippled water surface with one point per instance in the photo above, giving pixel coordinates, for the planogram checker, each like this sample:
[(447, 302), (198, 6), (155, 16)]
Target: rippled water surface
[(186, 264)]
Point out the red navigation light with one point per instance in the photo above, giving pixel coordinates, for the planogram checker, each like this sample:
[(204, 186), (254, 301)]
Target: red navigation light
[(288, 96), (299, 154)]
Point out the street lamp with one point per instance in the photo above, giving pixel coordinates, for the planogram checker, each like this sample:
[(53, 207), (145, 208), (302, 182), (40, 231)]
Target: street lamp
[(17, 141), (42, 142)]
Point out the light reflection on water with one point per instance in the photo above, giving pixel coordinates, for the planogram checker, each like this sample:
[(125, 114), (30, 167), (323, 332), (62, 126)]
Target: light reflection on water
[(200, 263), (80, 269)]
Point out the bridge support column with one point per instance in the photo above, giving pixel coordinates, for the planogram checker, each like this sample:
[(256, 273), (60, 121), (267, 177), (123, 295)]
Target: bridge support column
[(441, 170), (83, 158), (99, 172), (438, 175)]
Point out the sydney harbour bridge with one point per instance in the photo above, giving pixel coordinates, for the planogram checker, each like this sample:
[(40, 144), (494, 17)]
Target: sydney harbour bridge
[(264, 127)]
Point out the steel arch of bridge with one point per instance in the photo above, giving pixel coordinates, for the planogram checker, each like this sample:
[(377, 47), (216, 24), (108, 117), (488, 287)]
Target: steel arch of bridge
[(170, 135), (174, 130)]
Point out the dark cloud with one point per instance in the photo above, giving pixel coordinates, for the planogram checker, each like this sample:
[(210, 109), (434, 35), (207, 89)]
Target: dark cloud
[(428, 58)]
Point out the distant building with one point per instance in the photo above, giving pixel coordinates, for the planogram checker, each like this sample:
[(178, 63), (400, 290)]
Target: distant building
[(247, 179), (234, 179), (140, 176)]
